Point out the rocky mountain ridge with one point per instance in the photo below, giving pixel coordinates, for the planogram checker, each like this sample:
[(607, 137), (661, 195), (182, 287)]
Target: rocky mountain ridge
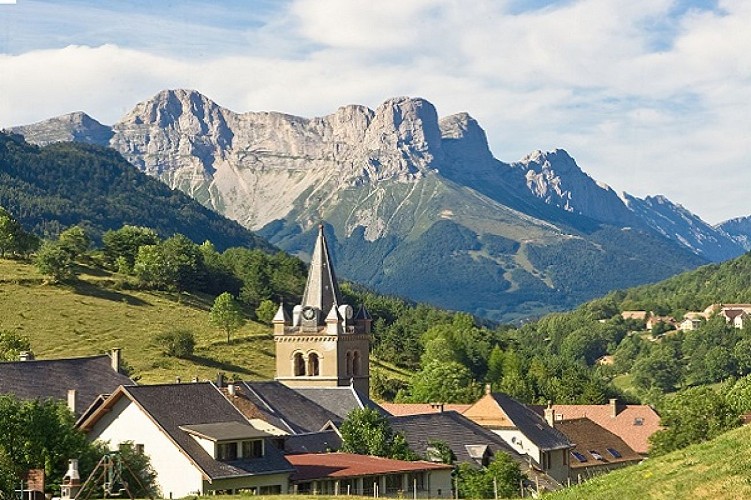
[(391, 182)]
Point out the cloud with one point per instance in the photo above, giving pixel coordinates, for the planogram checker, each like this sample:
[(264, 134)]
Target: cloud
[(650, 98)]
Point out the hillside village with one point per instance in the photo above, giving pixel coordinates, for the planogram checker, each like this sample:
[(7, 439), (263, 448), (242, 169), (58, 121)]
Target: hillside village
[(283, 435)]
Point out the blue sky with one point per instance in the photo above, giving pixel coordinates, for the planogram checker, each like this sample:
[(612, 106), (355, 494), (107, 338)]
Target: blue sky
[(649, 96)]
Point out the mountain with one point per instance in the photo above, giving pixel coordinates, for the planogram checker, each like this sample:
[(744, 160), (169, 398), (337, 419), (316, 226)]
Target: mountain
[(415, 205), (50, 188), (678, 224), (739, 229)]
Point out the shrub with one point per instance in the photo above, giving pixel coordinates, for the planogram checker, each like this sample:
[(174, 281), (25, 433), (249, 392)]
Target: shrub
[(177, 343)]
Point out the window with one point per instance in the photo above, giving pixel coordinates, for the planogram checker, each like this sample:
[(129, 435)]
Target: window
[(226, 451), (313, 365), (596, 455), (545, 460), (581, 458), (349, 363), (299, 365), (253, 449), (139, 449), (356, 363), (614, 453)]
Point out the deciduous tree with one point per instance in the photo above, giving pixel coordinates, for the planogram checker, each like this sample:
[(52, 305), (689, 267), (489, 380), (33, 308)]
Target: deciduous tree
[(226, 314)]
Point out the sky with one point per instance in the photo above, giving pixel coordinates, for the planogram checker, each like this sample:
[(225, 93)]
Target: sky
[(649, 96)]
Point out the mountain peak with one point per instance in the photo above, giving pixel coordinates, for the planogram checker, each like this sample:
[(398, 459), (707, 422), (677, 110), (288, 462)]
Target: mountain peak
[(76, 126)]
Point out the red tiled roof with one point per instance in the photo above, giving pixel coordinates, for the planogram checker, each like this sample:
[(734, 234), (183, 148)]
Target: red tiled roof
[(311, 466), (625, 425), (402, 409)]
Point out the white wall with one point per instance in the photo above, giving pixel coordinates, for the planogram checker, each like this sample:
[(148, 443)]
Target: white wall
[(177, 476)]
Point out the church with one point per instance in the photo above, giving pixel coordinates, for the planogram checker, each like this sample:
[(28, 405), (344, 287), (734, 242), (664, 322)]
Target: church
[(323, 343)]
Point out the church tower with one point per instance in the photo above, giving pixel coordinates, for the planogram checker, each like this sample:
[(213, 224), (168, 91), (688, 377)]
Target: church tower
[(324, 343)]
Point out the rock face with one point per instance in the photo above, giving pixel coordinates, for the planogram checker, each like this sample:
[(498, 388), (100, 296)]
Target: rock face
[(416, 205), (678, 224), (739, 229), (76, 127)]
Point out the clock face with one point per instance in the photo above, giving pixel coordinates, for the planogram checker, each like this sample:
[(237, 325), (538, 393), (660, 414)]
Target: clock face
[(308, 313)]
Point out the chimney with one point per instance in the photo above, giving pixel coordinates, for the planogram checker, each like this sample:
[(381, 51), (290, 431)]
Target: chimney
[(26, 356), (71, 481), (220, 380), (615, 408), (177, 380), (115, 357), (72, 400), (438, 407), (550, 414), (487, 389), (231, 390)]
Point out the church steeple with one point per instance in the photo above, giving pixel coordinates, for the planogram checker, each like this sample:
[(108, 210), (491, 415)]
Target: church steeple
[(322, 289), (323, 344)]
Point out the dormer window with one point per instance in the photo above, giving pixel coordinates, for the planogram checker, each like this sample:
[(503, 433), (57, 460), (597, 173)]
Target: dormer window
[(229, 441), (252, 449), (226, 451)]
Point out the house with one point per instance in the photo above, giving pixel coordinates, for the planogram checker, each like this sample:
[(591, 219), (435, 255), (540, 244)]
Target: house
[(596, 450), (736, 317), (198, 442), (631, 423), (655, 320), (689, 323), (77, 381), (348, 474), (524, 431)]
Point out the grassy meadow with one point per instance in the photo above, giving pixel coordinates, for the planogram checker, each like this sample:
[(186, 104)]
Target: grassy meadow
[(96, 314)]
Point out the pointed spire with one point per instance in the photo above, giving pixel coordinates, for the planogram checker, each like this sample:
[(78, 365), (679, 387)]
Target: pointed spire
[(281, 316), (322, 289)]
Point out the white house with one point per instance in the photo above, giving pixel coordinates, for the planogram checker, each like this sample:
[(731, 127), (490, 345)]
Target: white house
[(198, 441)]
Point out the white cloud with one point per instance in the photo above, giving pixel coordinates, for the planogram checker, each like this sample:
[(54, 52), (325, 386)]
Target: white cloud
[(647, 102)]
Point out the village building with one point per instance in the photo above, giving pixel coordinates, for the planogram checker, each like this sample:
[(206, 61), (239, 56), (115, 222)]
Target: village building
[(525, 432), (631, 423), (596, 450), (198, 442), (79, 382), (349, 474)]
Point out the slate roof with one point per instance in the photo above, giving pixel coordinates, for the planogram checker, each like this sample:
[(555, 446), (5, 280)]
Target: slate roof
[(322, 288), (531, 424), (457, 431), (225, 431), (171, 406), (314, 442), (345, 465), (590, 437), (633, 423), (339, 400), (286, 408), (52, 378)]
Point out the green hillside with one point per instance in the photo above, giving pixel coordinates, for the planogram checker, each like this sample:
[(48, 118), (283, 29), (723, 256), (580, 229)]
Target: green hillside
[(717, 469), (51, 188), (92, 316)]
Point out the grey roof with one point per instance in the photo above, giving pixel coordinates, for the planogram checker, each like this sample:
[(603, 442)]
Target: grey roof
[(287, 408), (321, 289), (174, 405), (531, 424), (339, 400), (314, 442), (52, 378), (225, 431), (458, 432)]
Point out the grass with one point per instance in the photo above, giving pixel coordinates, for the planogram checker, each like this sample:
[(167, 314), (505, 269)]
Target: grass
[(92, 316), (717, 469)]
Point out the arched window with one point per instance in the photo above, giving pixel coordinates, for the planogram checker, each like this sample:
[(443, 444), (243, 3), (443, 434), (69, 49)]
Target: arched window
[(313, 365), (348, 367), (356, 363), (299, 364)]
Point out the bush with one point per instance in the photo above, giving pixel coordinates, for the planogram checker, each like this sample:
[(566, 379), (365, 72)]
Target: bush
[(177, 343)]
